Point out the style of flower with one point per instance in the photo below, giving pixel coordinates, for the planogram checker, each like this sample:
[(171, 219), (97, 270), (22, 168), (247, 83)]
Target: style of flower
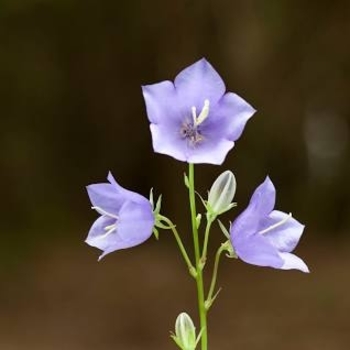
[(265, 237), (193, 119), (126, 217)]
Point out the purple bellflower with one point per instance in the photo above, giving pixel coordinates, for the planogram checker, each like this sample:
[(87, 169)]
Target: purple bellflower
[(193, 119), (126, 217), (265, 237)]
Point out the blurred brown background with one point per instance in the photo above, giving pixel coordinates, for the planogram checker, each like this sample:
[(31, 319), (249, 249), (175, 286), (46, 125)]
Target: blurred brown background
[(71, 109)]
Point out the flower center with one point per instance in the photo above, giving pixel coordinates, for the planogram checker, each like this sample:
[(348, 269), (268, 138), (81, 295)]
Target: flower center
[(191, 133), (277, 224), (189, 129), (109, 228)]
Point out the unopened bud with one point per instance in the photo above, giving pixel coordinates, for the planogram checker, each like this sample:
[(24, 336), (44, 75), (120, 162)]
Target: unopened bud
[(221, 193), (185, 332)]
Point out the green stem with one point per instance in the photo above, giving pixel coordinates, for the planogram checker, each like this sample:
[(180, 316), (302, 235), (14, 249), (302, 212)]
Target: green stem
[(215, 275), (180, 244), (199, 276), (206, 239)]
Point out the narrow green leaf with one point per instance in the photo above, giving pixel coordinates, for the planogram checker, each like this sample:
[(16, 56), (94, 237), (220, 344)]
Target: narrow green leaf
[(186, 180), (198, 220), (224, 230)]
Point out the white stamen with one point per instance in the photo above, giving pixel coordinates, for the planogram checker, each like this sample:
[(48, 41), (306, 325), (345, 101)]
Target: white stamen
[(103, 212), (204, 113), (194, 115), (110, 229), (280, 223)]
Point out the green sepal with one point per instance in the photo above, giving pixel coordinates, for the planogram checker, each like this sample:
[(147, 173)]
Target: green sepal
[(156, 233), (212, 215), (151, 197), (229, 207), (158, 205), (156, 208), (174, 337), (156, 212)]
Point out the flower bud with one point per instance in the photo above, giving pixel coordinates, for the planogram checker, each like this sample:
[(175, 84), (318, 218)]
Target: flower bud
[(221, 193), (185, 332)]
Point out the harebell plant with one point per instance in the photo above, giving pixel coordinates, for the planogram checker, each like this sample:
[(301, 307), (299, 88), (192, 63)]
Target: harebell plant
[(195, 120)]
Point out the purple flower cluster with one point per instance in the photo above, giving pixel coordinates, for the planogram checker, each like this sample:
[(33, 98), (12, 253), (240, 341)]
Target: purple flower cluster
[(195, 120)]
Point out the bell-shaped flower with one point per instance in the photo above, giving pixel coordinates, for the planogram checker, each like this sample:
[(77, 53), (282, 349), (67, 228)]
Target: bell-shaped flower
[(126, 218), (266, 237), (194, 119)]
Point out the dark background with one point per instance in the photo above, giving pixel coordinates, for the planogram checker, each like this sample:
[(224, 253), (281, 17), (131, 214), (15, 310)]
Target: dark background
[(71, 109)]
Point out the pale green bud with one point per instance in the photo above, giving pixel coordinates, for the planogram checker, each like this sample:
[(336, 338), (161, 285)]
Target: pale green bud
[(221, 193), (185, 332)]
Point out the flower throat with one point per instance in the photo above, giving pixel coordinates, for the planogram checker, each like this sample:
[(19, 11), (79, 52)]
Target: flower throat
[(189, 129)]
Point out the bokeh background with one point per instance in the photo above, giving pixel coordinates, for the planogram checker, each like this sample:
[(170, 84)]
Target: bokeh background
[(71, 109)]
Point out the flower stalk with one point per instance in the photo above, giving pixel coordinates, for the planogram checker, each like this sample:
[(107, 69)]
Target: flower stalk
[(210, 298), (199, 268), (172, 227)]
